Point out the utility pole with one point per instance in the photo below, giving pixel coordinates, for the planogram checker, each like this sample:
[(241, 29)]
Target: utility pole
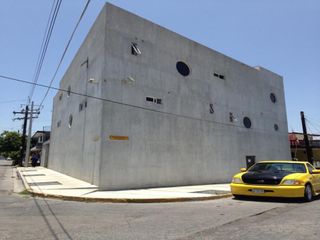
[(23, 147), (23, 139), (25, 151), (26, 161), (306, 139)]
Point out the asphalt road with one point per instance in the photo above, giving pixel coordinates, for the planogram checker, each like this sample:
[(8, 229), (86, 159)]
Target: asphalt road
[(25, 217)]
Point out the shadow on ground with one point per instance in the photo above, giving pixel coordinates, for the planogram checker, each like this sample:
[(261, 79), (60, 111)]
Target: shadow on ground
[(273, 199)]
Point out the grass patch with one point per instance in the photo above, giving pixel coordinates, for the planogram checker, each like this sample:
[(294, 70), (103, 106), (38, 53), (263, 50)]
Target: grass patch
[(24, 192)]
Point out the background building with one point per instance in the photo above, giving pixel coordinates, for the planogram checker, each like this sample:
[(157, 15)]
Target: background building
[(167, 111), (298, 147)]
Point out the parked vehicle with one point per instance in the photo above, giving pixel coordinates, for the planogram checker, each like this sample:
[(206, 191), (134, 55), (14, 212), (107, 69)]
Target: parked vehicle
[(277, 179)]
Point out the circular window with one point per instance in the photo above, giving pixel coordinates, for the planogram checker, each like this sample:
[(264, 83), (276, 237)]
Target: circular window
[(70, 120), (247, 122), (276, 127), (69, 91), (183, 69), (273, 97)]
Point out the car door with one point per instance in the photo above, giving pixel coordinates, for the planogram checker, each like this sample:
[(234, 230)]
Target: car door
[(315, 178)]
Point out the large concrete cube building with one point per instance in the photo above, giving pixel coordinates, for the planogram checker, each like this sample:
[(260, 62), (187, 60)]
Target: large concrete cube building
[(165, 110)]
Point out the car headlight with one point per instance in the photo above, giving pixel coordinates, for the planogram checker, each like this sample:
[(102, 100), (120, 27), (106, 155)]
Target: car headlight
[(291, 182), (236, 180)]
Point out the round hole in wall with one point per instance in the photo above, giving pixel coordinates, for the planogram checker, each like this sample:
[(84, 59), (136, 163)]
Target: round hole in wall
[(273, 97), (276, 127), (247, 122), (69, 91), (70, 120), (183, 68)]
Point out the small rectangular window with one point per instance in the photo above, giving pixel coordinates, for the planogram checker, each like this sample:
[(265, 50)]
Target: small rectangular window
[(218, 75), (134, 49), (149, 99), (231, 117), (154, 100), (80, 107)]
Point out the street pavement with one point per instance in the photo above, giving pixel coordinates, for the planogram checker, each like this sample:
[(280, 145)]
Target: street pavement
[(46, 182), (25, 217)]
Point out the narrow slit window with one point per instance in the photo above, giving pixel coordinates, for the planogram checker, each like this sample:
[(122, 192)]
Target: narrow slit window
[(80, 107), (149, 99), (217, 75), (154, 100), (135, 50), (69, 91)]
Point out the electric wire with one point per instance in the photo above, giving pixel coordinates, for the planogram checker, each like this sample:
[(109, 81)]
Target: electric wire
[(11, 101), (45, 42), (120, 103), (65, 50), (311, 125), (313, 122)]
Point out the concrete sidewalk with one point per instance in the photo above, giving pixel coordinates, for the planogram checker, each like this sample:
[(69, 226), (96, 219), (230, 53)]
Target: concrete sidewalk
[(48, 183)]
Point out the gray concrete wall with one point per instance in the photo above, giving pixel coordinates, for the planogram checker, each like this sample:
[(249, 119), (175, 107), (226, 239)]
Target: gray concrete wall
[(76, 150), (178, 142), (45, 154)]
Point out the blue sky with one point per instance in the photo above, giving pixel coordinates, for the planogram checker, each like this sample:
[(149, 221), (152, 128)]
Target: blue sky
[(280, 35)]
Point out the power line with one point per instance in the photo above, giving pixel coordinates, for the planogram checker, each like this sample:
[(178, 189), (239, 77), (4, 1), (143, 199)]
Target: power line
[(11, 101), (65, 50), (315, 122), (116, 102), (314, 127), (45, 42)]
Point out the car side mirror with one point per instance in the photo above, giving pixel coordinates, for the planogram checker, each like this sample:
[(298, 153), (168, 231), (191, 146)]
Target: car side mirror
[(315, 172), (244, 170)]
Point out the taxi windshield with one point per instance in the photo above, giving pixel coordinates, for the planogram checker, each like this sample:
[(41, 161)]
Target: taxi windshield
[(276, 167)]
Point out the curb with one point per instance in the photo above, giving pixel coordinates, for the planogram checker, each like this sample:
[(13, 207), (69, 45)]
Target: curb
[(118, 200), (129, 200)]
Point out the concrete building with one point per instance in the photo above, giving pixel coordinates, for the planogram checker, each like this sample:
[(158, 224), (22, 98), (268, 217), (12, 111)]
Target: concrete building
[(166, 110)]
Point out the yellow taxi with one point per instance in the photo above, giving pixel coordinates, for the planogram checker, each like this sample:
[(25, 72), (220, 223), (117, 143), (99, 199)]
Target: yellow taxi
[(290, 179)]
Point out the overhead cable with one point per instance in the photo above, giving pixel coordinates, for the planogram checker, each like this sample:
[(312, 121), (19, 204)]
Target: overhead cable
[(45, 43), (65, 50)]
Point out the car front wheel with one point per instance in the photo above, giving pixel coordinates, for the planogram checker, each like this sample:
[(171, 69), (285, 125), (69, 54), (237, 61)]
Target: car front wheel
[(308, 193)]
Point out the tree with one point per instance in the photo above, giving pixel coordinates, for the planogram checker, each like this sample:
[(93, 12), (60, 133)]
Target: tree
[(10, 143)]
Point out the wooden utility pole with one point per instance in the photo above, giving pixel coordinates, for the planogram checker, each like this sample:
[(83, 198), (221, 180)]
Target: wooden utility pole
[(26, 161), (28, 114), (23, 137), (23, 147), (306, 139)]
